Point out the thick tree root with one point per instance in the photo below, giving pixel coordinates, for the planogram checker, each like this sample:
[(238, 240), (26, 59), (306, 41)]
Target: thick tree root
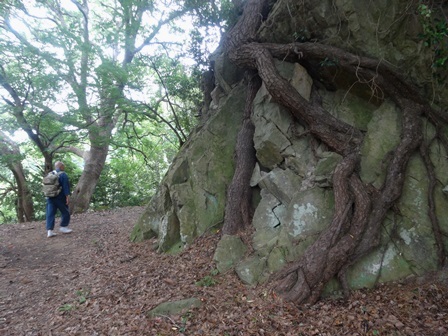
[(238, 212), (355, 227)]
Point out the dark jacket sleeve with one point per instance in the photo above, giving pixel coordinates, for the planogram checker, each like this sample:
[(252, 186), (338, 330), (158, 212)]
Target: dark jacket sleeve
[(63, 181)]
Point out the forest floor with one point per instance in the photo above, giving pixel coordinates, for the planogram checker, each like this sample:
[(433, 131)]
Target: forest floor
[(94, 281)]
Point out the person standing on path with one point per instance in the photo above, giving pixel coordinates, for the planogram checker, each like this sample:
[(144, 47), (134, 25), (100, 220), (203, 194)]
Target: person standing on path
[(60, 202)]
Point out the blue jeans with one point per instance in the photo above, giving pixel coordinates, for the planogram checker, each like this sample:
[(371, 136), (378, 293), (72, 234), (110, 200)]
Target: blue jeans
[(53, 204)]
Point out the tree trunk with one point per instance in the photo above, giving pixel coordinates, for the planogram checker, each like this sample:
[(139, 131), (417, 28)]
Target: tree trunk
[(355, 226), (24, 207), (94, 161), (238, 212)]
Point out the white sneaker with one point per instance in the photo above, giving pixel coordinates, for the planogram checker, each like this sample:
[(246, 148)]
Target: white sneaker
[(50, 233), (64, 229)]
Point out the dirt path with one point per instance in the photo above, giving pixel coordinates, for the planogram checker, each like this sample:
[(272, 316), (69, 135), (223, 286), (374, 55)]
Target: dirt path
[(44, 279), (95, 282)]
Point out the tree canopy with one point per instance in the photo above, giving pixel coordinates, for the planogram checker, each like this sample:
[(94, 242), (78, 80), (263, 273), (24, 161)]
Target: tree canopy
[(89, 81)]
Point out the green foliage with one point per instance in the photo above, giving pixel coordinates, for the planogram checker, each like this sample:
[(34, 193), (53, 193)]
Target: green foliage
[(124, 183), (8, 196), (139, 157), (124, 88), (39, 87), (220, 14), (34, 173), (435, 37), (67, 308), (167, 108), (181, 88), (184, 320), (82, 294), (210, 19), (208, 280)]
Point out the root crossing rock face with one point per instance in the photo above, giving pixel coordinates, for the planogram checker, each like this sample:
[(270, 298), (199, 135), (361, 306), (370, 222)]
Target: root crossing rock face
[(338, 159)]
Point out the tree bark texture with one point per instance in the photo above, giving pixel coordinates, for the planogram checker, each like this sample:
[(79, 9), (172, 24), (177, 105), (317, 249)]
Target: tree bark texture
[(24, 207), (94, 161), (355, 227), (238, 212)]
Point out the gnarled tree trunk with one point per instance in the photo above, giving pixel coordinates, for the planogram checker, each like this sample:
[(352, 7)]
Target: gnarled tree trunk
[(359, 210), (238, 211), (94, 160), (24, 208)]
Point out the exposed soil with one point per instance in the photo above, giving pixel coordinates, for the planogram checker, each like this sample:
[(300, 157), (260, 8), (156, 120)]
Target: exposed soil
[(94, 281)]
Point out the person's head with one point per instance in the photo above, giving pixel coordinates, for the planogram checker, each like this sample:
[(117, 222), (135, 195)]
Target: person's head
[(59, 165)]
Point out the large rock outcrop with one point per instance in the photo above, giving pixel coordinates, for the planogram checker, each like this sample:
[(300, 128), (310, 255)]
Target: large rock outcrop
[(293, 175), (191, 197)]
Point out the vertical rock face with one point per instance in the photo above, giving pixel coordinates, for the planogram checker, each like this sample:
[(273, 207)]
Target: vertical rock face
[(191, 197), (293, 174)]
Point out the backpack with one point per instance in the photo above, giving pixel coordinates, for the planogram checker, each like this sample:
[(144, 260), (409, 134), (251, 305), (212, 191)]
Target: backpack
[(51, 187)]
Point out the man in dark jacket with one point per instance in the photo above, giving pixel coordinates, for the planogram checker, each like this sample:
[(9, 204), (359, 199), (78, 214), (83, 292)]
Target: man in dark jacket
[(59, 202)]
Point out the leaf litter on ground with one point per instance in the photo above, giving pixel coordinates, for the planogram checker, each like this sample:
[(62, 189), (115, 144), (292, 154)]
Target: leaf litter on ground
[(96, 282)]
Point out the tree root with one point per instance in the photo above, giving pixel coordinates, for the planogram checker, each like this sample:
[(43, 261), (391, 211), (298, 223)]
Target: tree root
[(356, 224)]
